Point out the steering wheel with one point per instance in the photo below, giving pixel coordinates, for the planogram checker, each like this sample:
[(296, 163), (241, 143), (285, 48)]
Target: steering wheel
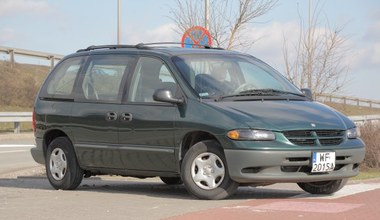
[(244, 87)]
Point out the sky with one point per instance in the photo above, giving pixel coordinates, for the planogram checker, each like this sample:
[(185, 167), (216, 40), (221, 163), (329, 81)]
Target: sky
[(63, 27)]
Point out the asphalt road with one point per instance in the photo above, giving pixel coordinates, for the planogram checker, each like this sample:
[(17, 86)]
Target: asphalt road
[(25, 193), (15, 152)]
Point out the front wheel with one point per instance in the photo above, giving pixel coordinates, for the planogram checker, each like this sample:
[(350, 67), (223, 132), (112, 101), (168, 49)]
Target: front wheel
[(204, 171), (323, 187), (62, 167)]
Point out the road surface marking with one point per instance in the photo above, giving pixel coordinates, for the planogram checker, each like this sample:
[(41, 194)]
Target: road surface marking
[(13, 151), (320, 207), (16, 145)]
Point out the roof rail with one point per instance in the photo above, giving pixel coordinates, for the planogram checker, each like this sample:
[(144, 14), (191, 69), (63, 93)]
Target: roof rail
[(144, 46), (93, 47)]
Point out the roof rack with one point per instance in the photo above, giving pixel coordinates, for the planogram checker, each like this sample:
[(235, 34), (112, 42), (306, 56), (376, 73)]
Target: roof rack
[(93, 47), (144, 46)]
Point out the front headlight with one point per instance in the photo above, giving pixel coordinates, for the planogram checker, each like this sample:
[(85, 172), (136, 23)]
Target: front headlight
[(353, 133), (251, 135)]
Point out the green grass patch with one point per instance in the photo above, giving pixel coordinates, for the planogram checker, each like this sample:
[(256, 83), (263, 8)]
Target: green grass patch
[(367, 174), (8, 127), (5, 108)]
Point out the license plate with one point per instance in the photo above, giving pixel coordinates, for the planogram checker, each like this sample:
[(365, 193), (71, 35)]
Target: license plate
[(323, 162)]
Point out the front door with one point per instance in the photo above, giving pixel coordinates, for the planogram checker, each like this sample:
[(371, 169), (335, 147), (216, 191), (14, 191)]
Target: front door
[(146, 132)]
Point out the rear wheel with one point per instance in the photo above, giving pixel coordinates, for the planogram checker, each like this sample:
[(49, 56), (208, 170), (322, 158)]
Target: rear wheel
[(204, 171), (171, 180), (323, 187), (62, 167)]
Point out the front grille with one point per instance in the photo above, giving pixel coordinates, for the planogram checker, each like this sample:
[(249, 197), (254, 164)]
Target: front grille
[(329, 133), (297, 133), (302, 142), (315, 137), (331, 141)]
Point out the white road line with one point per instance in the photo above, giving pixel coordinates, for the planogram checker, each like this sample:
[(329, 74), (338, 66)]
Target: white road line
[(16, 145), (13, 151)]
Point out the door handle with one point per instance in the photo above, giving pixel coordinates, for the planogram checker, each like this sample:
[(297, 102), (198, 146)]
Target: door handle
[(126, 117), (111, 116)]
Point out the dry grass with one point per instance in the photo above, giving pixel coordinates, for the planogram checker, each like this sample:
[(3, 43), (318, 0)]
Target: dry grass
[(367, 174), (353, 109), (370, 134), (18, 88), (20, 84)]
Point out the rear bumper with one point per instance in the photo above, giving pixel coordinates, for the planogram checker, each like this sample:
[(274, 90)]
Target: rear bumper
[(38, 152), (253, 166)]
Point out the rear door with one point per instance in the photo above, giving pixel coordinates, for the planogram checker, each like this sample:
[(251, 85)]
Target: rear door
[(95, 115), (147, 127)]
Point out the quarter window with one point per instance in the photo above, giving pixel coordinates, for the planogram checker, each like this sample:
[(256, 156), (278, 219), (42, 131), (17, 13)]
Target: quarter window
[(61, 82)]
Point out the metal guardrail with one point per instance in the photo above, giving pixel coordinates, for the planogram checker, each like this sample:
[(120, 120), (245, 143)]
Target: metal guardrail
[(359, 119), (348, 100), (17, 117), (37, 54)]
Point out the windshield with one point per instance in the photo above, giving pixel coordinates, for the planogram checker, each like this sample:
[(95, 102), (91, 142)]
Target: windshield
[(216, 76)]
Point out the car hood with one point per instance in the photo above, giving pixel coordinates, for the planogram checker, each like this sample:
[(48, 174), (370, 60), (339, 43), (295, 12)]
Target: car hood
[(284, 115)]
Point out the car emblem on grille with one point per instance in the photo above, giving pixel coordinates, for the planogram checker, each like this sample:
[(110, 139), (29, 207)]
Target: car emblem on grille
[(313, 125)]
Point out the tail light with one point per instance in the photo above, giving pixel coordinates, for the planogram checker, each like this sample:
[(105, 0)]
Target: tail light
[(34, 121)]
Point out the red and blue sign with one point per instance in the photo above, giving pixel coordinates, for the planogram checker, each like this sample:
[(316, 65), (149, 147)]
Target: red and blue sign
[(196, 37)]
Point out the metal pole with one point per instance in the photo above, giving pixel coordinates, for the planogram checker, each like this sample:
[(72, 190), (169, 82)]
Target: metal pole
[(118, 21), (207, 18), (12, 58), (310, 51), (51, 62)]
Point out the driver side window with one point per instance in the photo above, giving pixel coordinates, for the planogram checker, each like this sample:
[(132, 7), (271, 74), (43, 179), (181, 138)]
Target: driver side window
[(150, 74)]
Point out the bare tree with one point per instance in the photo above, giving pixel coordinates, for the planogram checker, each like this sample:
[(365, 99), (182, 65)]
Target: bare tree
[(227, 20), (316, 61)]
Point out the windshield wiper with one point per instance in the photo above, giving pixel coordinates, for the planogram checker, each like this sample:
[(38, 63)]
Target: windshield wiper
[(261, 92), (268, 92)]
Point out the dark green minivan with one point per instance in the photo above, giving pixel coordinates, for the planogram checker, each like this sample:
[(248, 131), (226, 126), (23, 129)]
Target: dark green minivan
[(208, 118)]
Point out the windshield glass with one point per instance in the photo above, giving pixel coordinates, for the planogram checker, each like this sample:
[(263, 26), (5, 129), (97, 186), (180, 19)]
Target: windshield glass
[(215, 76)]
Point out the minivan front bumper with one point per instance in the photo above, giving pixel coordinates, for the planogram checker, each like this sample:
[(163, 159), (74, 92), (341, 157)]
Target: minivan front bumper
[(273, 166)]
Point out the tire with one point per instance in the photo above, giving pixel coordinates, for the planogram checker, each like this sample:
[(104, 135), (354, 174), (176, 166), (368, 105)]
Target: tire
[(323, 187), (171, 180), (214, 182), (61, 164)]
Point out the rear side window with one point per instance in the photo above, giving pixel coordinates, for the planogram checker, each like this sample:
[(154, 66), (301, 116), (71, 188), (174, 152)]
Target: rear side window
[(102, 81), (60, 83)]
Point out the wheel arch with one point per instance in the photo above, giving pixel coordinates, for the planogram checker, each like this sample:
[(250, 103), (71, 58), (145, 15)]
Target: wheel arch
[(50, 136), (192, 138)]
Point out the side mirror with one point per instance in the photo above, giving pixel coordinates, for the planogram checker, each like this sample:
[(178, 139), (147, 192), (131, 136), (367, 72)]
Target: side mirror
[(308, 94), (164, 95)]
